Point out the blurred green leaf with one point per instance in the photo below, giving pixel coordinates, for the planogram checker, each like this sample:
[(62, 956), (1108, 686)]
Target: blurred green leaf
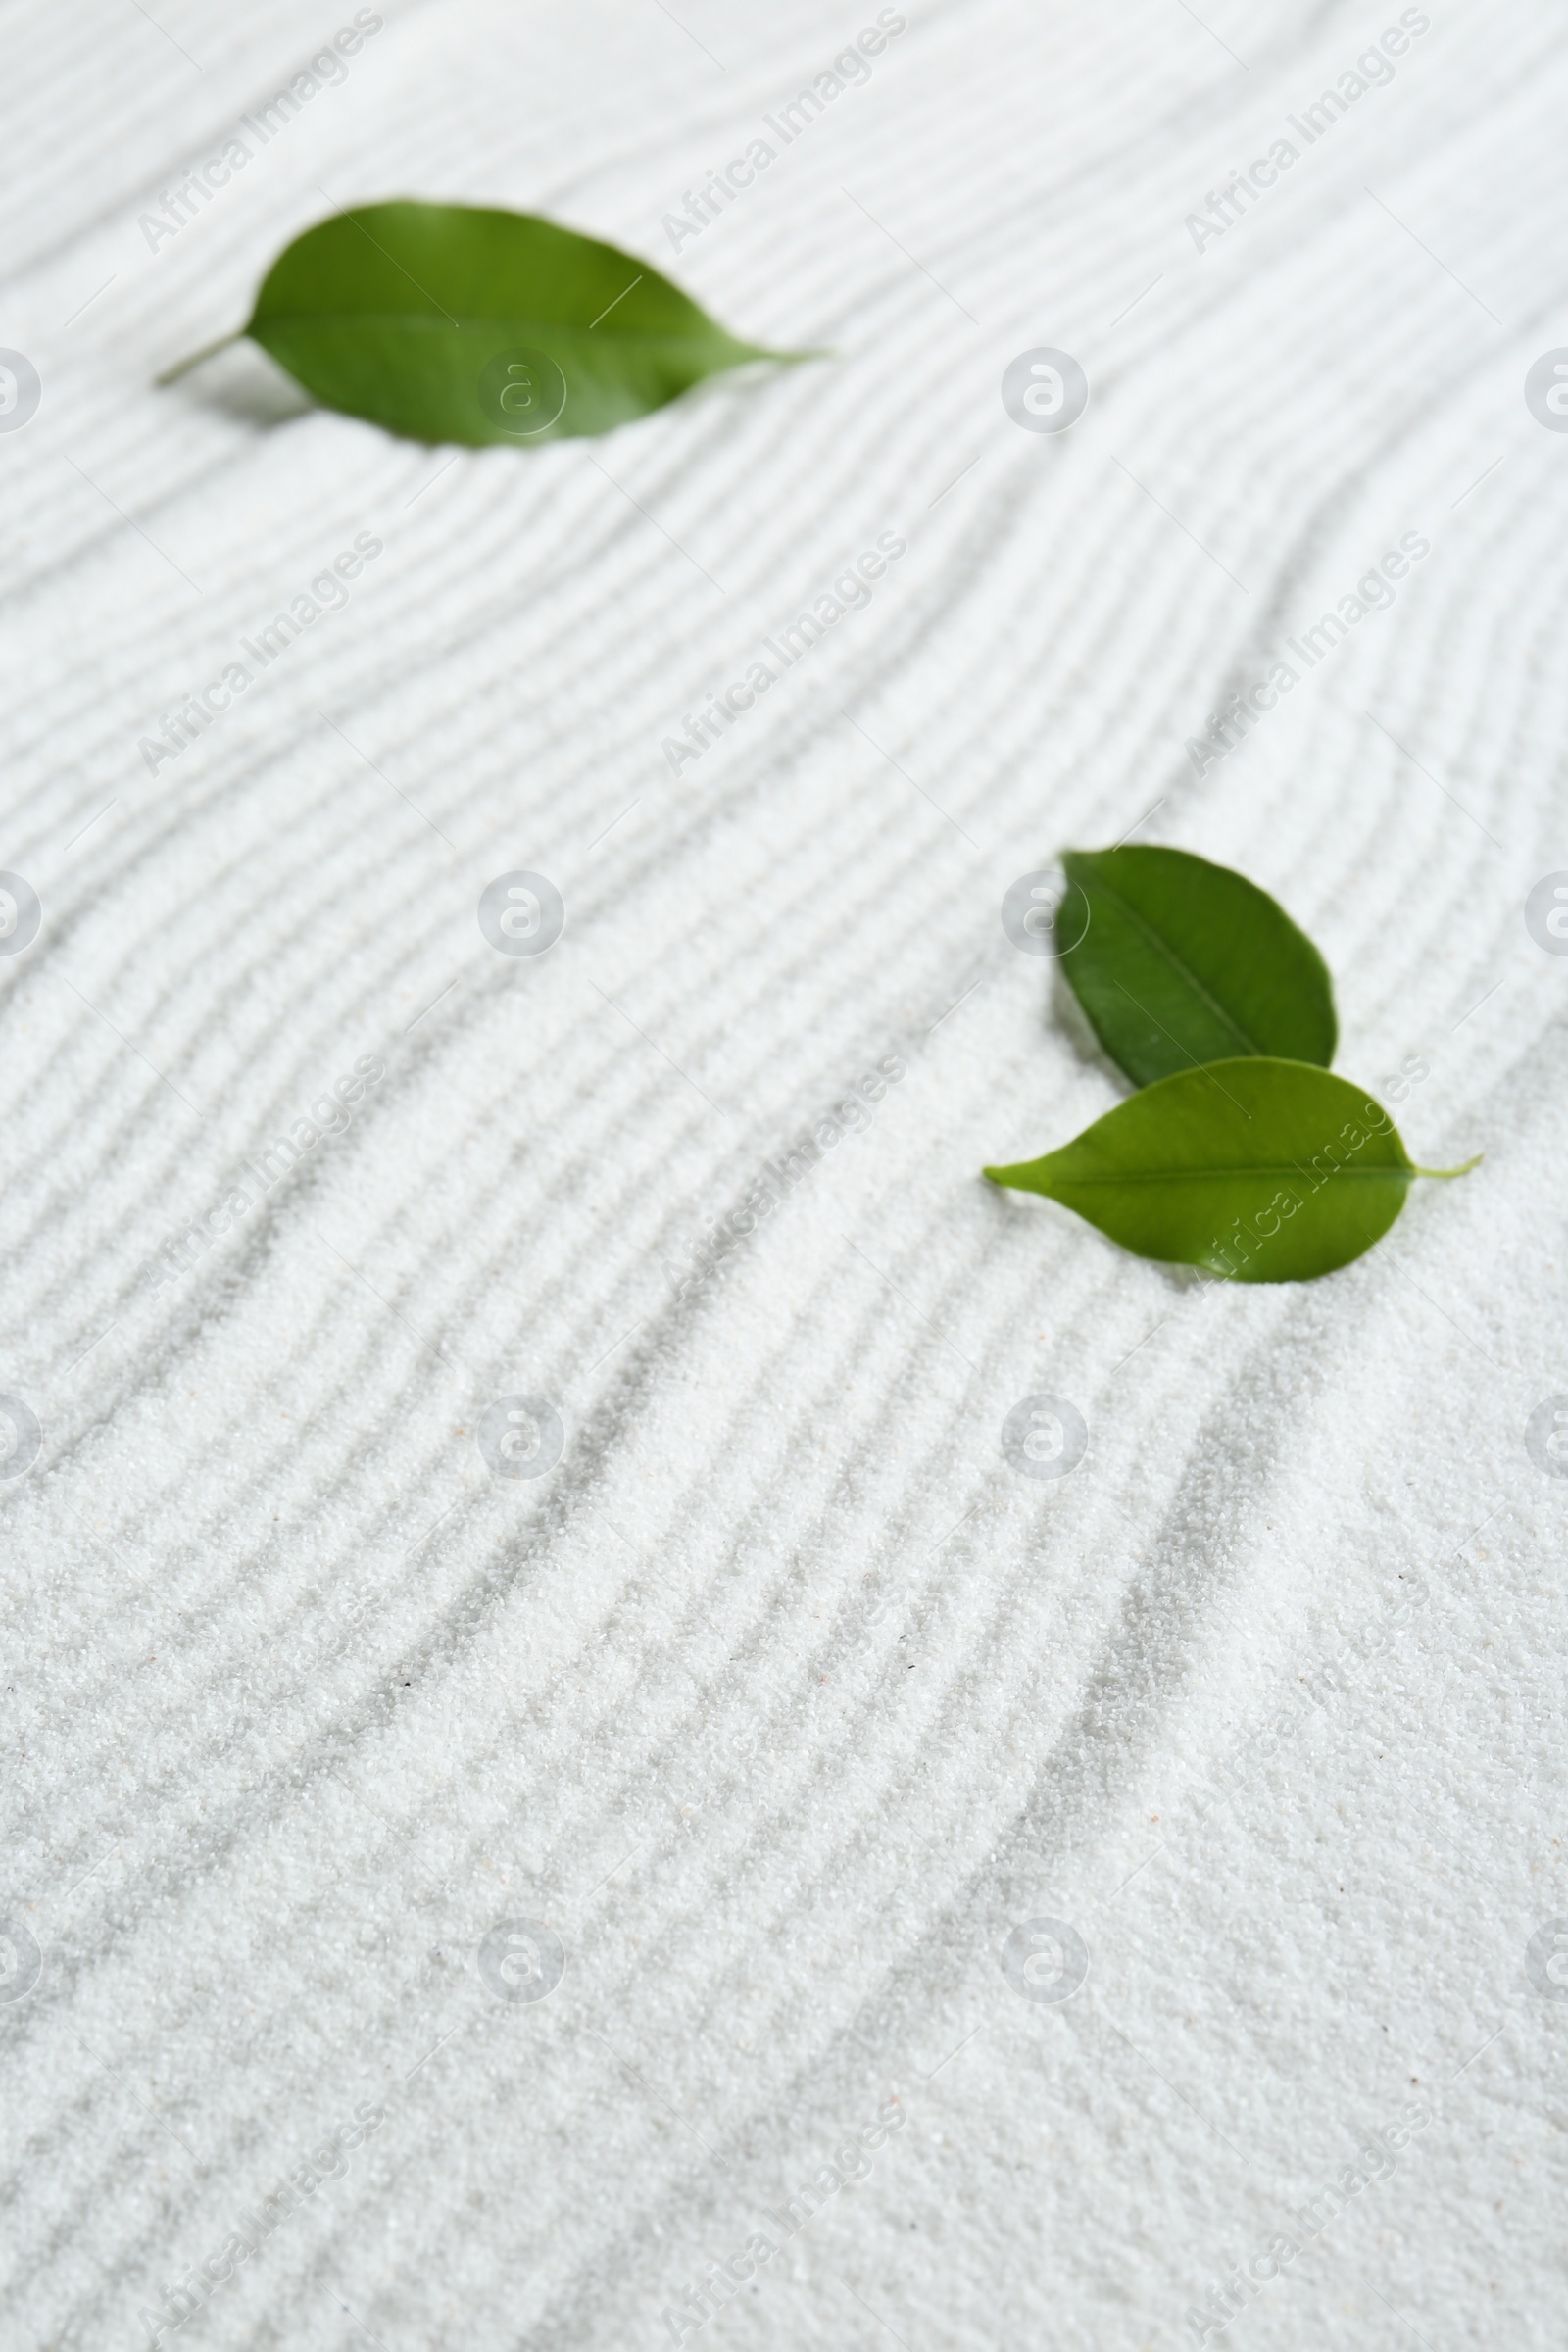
[(453, 322)]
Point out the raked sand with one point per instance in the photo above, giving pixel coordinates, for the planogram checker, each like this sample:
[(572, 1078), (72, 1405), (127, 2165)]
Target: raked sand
[(780, 1704)]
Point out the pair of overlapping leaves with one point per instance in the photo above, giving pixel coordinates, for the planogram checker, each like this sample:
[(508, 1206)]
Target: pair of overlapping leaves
[(1242, 1151)]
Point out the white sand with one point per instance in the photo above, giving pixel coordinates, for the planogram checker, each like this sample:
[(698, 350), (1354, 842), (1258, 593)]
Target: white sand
[(781, 1700)]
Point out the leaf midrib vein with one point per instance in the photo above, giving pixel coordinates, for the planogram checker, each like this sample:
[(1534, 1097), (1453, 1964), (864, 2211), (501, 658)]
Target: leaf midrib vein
[(1184, 970), (1258, 1168), (488, 318)]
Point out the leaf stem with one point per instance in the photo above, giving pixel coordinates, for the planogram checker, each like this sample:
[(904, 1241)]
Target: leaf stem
[(1446, 1173), (172, 374)]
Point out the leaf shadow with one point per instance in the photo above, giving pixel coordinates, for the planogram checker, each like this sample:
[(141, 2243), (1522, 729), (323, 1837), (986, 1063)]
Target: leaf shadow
[(247, 387), (1178, 1279), (1064, 1019)]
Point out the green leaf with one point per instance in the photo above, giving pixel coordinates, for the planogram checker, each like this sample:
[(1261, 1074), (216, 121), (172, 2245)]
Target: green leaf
[(1186, 963), (451, 322), (1263, 1169)]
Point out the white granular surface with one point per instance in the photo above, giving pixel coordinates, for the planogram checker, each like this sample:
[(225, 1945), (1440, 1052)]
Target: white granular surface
[(781, 1705)]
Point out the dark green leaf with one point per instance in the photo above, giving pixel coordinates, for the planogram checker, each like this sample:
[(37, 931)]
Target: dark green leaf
[(1267, 1170), (450, 323), (1184, 962)]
